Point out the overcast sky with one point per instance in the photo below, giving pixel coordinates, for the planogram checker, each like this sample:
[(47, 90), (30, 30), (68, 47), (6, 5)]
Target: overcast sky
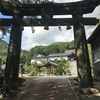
[(45, 37)]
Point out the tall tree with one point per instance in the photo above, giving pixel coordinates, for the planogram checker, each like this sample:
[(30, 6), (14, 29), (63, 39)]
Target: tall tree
[(4, 30)]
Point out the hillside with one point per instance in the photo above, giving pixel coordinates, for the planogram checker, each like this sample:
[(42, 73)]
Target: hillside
[(56, 47), (3, 48)]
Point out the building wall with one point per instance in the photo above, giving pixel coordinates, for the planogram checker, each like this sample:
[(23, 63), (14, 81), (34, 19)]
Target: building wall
[(59, 58), (39, 59), (95, 45), (73, 68), (96, 69)]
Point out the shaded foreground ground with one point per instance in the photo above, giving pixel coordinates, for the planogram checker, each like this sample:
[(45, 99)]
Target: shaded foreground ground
[(47, 88), (53, 88)]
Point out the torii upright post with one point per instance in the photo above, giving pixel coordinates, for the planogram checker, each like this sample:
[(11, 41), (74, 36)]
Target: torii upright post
[(82, 57), (13, 57)]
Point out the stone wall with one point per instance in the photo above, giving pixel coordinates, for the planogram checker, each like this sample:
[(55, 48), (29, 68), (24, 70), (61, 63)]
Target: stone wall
[(73, 68)]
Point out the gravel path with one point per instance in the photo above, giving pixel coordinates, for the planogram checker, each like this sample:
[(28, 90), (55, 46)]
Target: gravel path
[(48, 88)]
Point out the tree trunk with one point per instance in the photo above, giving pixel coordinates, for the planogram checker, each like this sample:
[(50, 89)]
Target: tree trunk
[(13, 57), (82, 57)]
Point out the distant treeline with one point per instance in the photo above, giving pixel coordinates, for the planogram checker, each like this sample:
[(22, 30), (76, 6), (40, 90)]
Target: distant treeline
[(56, 47)]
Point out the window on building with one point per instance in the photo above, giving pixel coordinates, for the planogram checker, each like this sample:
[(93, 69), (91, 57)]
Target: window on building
[(96, 56)]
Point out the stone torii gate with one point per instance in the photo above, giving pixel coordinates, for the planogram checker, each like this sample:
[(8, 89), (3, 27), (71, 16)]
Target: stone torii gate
[(47, 10)]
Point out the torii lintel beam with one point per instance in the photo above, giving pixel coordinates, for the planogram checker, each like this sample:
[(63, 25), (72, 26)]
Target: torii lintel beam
[(55, 22), (83, 7)]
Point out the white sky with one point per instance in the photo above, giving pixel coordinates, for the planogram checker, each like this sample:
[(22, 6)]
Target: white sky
[(45, 37)]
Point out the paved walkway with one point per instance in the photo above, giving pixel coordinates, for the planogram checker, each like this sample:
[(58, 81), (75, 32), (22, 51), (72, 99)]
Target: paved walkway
[(48, 88)]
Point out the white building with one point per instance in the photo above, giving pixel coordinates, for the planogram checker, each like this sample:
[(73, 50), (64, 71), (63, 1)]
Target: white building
[(67, 55), (39, 58)]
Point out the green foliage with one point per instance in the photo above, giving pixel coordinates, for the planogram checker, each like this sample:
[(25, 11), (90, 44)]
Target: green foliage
[(26, 67), (3, 48), (3, 51), (63, 66), (25, 56), (4, 30), (33, 69), (22, 58), (4, 59), (43, 68), (56, 47), (59, 70)]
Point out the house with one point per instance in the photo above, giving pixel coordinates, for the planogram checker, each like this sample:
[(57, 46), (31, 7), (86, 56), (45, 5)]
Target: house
[(58, 56), (94, 40), (39, 58), (49, 65), (69, 54)]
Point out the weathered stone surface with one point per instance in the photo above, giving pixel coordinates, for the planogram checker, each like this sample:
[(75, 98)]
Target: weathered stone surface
[(84, 90), (94, 90), (1, 96)]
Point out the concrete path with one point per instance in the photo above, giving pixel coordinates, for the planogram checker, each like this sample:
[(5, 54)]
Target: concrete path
[(48, 88)]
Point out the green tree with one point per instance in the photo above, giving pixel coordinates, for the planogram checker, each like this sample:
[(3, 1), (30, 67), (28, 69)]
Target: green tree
[(56, 47), (63, 66), (4, 59), (22, 58), (3, 48), (4, 30), (33, 69), (26, 67)]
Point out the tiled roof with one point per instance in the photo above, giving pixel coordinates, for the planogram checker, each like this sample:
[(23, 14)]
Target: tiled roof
[(94, 34), (67, 52), (56, 55)]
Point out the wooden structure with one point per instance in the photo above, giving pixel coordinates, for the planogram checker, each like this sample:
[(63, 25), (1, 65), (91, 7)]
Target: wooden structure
[(51, 65), (95, 45), (76, 9)]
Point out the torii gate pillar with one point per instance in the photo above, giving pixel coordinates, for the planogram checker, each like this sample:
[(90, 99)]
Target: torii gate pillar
[(13, 57), (82, 57)]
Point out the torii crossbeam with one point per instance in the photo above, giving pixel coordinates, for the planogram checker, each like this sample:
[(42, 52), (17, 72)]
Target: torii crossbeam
[(86, 6), (10, 9), (55, 21)]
